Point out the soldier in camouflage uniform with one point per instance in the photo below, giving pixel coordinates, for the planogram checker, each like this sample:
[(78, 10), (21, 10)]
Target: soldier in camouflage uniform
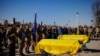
[(90, 32), (22, 36), (85, 30), (11, 40), (97, 32), (28, 37)]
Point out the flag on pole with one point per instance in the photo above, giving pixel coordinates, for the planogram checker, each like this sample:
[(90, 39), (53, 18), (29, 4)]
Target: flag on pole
[(77, 14), (34, 30), (35, 24)]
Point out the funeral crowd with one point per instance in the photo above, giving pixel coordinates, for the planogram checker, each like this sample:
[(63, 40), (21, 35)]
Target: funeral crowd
[(22, 35)]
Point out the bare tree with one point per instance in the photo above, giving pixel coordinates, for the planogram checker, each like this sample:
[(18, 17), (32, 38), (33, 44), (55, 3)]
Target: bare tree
[(96, 12)]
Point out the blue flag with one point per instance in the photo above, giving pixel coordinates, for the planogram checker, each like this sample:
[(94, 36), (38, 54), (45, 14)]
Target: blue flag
[(35, 25)]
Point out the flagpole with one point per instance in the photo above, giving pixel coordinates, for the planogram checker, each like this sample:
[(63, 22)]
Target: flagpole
[(77, 23), (69, 23), (77, 14)]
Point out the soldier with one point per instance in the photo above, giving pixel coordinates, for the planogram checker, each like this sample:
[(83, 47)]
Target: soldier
[(54, 32), (49, 32), (85, 30), (12, 39), (17, 30), (80, 30), (69, 30), (60, 30), (34, 39), (90, 32), (28, 36), (64, 30), (44, 32), (4, 38), (1, 40), (22, 35), (39, 33), (97, 32)]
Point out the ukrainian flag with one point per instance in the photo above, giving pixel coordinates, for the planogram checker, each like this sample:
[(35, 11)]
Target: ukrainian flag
[(35, 24)]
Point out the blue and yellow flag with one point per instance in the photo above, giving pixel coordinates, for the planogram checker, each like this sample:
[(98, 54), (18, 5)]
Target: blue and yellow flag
[(35, 24)]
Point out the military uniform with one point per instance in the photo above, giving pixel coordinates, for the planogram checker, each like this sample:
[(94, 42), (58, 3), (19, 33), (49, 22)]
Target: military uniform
[(97, 32), (28, 42), (39, 33), (54, 33), (85, 30), (22, 35), (12, 39), (90, 32), (49, 33), (1, 40)]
